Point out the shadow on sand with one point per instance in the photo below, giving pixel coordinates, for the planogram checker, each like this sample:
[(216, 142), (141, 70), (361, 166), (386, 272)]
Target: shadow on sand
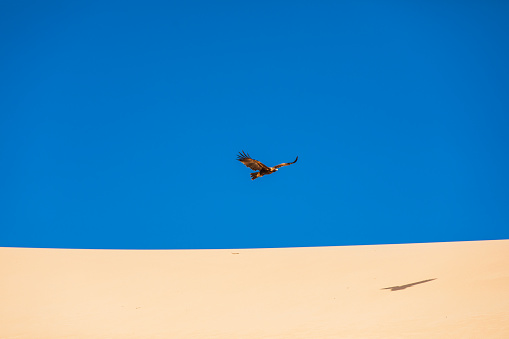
[(402, 287)]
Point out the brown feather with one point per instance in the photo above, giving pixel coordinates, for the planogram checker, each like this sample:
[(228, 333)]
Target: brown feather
[(286, 163), (253, 164)]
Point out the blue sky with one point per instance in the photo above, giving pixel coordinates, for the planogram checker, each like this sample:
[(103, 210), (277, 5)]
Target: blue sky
[(120, 123)]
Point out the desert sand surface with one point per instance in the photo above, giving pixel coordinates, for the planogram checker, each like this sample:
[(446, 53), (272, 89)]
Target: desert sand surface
[(430, 290)]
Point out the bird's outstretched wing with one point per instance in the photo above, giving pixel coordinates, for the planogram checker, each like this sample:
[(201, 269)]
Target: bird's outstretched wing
[(286, 163), (253, 164)]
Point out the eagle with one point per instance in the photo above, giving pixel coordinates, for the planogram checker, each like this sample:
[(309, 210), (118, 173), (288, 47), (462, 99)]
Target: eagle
[(255, 165)]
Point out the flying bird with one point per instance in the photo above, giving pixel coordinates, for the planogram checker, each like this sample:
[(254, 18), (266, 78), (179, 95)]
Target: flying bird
[(255, 165)]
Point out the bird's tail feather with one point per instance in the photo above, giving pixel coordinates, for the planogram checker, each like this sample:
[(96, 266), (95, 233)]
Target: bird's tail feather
[(255, 175)]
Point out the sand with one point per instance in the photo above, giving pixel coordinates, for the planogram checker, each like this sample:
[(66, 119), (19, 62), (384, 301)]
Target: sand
[(432, 290)]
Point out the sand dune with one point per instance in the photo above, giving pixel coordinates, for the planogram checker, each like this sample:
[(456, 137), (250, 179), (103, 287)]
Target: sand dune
[(433, 290)]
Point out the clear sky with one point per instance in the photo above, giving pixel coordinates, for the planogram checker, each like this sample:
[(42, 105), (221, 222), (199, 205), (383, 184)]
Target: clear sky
[(120, 123)]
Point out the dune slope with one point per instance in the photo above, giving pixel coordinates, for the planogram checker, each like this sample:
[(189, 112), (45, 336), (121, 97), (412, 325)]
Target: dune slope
[(432, 290)]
